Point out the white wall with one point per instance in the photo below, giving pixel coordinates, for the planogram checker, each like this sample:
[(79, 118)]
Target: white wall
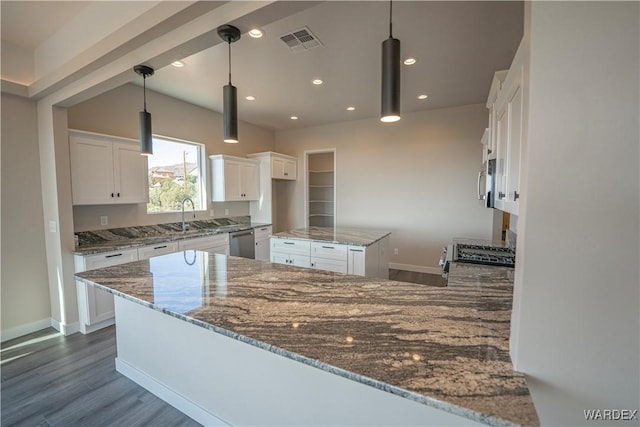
[(116, 113), (24, 285), (416, 178), (577, 279)]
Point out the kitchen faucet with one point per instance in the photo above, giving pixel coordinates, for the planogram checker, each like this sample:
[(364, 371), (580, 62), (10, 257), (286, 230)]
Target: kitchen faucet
[(185, 226)]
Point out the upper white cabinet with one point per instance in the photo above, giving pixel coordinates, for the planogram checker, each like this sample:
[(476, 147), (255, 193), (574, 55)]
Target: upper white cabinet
[(280, 166), (491, 134), (510, 113), (106, 170), (234, 178)]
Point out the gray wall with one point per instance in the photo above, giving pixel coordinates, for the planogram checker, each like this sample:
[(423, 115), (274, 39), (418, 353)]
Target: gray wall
[(116, 113), (576, 326), (416, 178), (24, 285)]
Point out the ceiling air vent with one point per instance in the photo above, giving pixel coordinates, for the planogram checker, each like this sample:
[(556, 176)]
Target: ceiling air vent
[(300, 40)]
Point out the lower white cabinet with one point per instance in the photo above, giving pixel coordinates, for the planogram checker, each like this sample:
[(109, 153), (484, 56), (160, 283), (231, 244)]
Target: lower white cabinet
[(217, 244), (95, 307), (369, 261), (146, 252), (262, 235)]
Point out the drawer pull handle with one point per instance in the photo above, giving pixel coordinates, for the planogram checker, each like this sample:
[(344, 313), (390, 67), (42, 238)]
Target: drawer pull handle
[(288, 243), (328, 247), (263, 229), (355, 250), (160, 247), (111, 256)]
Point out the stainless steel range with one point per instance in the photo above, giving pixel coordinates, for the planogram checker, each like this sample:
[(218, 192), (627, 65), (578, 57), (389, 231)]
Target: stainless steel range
[(477, 252)]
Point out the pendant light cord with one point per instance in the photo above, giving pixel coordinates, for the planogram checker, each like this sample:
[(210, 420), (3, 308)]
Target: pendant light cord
[(144, 91), (229, 42), (390, 16)]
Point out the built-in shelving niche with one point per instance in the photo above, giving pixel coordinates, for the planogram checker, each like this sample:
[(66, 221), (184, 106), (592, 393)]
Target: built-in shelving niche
[(321, 189)]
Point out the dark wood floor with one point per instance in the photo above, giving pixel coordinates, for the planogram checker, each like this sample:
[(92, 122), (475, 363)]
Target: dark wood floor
[(414, 277), (52, 380)]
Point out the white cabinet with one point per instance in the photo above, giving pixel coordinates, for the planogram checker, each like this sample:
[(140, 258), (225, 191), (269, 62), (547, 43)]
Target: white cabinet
[(330, 257), (491, 146), (510, 118), (291, 252), (146, 252), (262, 235), (106, 170), (234, 178), (217, 244), (280, 166), (95, 306)]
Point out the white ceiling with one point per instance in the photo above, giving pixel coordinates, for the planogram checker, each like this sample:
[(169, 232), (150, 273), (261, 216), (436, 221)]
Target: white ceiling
[(458, 46)]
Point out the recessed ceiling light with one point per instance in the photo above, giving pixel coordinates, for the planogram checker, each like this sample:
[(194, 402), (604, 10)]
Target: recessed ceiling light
[(294, 117), (423, 96), (351, 108), (250, 98), (316, 81), (409, 61), (178, 64), (256, 33)]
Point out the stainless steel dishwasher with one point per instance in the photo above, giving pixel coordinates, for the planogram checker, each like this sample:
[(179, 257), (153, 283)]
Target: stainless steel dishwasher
[(242, 244)]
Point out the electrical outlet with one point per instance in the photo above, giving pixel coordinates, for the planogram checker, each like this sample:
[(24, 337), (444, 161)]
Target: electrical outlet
[(104, 220), (395, 251), (211, 213), (226, 211)]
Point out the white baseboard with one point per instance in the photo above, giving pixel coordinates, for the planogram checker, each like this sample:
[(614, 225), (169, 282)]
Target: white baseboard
[(174, 399), (18, 331), (65, 328), (416, 268)]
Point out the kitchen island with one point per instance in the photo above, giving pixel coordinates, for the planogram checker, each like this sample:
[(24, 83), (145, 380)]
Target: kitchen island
[(362, 252), (243, 342)]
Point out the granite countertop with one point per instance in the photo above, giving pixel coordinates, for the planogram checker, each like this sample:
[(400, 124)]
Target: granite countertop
[(443, 347), (94, 242), (344, 236)]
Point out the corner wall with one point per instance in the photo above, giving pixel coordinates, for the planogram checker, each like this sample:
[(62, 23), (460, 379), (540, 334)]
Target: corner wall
[(24, 283), (577, 286), (416, 178)]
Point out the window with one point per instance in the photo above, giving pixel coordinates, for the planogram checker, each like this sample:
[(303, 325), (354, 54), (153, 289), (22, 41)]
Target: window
[(175, 171)]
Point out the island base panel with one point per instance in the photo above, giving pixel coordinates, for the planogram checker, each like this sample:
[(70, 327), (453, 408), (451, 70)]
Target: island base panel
[(218, 380)]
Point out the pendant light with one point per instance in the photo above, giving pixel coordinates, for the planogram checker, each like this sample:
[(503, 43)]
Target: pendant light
[(230, 34), (146, 140), (390, 105)]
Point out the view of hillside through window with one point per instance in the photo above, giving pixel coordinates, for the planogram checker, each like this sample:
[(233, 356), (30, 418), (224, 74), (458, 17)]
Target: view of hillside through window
[(175, 172)]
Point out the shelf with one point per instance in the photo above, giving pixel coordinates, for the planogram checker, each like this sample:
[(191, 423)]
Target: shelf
[(321, 186), (320, 171), (312, 215)]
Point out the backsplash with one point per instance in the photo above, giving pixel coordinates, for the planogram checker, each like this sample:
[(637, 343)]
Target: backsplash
[(85, 238)]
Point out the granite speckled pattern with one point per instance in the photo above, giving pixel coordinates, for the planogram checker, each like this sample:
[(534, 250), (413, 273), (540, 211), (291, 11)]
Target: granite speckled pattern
[(344, 236), (443, 347), (93, 242)]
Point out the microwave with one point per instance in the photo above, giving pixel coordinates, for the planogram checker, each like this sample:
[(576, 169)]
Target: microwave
[(487, 184)]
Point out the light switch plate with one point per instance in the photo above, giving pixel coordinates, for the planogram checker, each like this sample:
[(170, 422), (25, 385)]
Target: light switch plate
[(53, 226), (104, 220), (226, 211)]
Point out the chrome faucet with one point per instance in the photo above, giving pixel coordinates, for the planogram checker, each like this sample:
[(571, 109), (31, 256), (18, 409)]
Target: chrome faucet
[(185, 226)]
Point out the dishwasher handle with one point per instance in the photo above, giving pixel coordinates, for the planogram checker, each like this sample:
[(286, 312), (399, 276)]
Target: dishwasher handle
[(240, 234)]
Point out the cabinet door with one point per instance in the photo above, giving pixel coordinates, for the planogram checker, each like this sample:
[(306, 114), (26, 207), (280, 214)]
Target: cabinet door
[(277, 168), (279, 258), (513, 153), (300, 261), (335, 265), (130, 174), (232, 181), (262, 250), (91, 170), (356, 262), (250, 182), (290, 169), (502, 123)]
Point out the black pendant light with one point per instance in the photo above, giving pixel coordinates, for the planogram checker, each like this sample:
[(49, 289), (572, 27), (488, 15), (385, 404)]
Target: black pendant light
[(146, 140), (230, 34), (390, 105)]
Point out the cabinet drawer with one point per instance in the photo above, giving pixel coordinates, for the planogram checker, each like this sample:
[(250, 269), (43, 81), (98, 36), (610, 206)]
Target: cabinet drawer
[(107, 259), (298, 247), (329, 250), (262, 233), (159, 249), (205, 242), (335, 265)]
